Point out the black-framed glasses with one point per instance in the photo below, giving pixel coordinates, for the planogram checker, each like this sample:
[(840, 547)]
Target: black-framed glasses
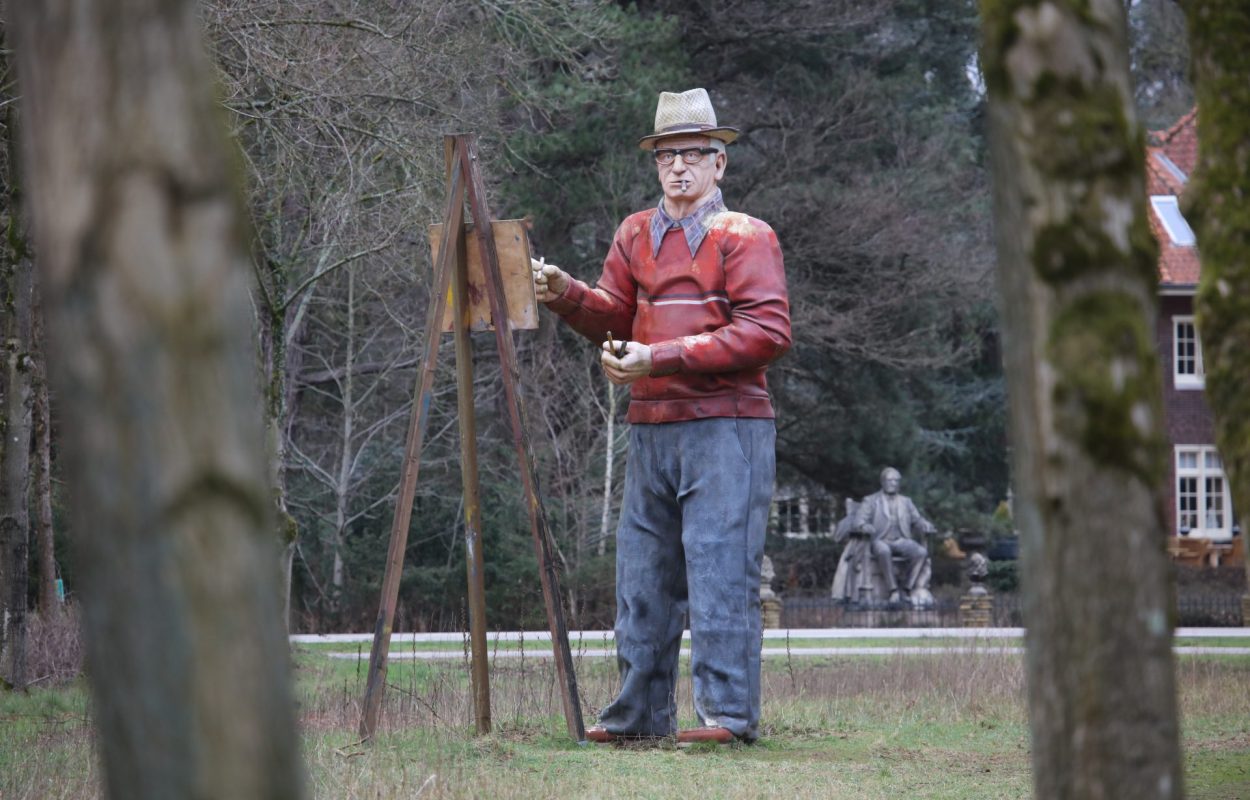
[(690, 155)]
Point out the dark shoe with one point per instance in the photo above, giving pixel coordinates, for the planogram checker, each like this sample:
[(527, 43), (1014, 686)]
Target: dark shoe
[(600, 734), (718, 735)]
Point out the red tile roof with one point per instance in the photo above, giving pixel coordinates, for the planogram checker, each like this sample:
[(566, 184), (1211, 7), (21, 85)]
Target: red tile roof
[(1180, 141), (1171, 156)]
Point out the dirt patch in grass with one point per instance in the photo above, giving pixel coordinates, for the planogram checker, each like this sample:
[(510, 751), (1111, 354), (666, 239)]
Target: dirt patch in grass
[(1238, 743)]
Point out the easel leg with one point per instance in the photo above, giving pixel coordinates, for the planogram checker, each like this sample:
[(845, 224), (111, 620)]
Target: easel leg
[(469, 480), (543, 544), (379, 654)]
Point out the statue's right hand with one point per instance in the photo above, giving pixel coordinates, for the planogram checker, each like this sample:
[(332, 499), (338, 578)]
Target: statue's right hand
[(549, 280)]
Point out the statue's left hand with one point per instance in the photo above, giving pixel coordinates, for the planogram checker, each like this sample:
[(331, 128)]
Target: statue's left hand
[(634, 364)]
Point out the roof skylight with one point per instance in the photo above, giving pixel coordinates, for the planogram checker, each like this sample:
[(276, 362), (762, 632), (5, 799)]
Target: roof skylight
[(1171, 167), (1174, 223)]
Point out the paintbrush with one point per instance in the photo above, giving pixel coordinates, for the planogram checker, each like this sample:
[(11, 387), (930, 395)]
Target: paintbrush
[(613, 349)]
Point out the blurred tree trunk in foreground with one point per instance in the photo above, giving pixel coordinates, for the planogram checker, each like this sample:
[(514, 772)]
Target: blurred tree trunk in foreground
[(144, 270), (16, 344), (1077, 282), (1218, 202)]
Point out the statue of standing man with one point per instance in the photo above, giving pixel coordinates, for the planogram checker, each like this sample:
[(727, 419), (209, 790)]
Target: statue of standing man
[(895, 525), (700, 293)]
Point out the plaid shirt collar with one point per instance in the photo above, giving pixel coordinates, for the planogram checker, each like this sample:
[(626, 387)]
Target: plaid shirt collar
[(695, 226)]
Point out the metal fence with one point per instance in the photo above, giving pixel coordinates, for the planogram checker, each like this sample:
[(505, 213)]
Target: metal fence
[(1207, 610), (824, 612)]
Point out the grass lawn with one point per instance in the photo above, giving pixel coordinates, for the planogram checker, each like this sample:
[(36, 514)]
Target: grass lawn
[(928, 726)]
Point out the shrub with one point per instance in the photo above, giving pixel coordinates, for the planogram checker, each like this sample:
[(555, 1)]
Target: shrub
[(54, 648), (1003, 576)]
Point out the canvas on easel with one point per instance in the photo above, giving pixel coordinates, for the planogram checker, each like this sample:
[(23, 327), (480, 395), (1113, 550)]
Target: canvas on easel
[(513, 246)]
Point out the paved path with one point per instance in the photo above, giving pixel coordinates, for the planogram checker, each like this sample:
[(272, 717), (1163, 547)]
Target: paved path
[(796, 652), (598, 644), (603, 638)]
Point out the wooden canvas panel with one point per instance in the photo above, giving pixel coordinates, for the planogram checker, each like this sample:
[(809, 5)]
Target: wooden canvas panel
[(512, 244)]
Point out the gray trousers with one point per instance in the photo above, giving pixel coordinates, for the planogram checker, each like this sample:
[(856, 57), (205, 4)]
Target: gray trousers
[(914, 552), (691, 538)]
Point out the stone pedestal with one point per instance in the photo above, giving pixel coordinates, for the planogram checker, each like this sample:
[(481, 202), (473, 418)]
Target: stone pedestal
[(976, 607), (770, 603), (976, 610), (770, 610)]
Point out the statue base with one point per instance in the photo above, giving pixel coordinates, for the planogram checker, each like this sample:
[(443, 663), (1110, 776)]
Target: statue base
[(858, 581)]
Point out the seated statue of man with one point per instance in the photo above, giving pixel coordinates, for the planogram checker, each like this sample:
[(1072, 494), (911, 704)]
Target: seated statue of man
[(895, 525)]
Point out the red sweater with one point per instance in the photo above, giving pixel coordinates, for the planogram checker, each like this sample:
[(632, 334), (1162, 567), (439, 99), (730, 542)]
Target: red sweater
[(714, 324)]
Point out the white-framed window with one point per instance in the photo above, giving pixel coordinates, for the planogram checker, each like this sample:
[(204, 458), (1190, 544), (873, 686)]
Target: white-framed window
[(1187, 369), (1169, 213), (789, 515), (1203, 505), (820, 516), (800, 516)]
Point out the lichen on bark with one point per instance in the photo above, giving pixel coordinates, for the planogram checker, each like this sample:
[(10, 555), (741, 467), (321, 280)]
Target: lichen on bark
[(1104, 354), (1217, 203), (1087, 200)]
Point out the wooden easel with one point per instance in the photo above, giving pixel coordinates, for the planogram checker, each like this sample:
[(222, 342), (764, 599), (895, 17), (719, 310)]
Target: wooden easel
[(460, 152)]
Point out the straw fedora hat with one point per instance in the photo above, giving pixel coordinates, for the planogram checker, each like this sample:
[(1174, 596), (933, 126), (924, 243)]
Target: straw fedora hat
[(684, 113)]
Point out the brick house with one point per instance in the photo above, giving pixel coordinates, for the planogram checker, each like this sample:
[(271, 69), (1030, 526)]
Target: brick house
[(1199, 501)]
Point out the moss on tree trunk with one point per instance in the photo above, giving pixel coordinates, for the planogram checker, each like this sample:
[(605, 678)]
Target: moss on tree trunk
[(1217, 202), (1077, 279)]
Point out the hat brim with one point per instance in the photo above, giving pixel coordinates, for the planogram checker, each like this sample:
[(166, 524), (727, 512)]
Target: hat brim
[(724, 133)]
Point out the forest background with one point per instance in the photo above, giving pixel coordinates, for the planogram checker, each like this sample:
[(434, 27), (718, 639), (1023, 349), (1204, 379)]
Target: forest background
[(862, 145)]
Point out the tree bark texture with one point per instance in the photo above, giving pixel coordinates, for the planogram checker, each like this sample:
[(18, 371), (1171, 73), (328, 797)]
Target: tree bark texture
[(1077, 287), (1218, 203), (49, 602), (277, 418), (280, 321), (16, 362), (144, 272), (15, 462)]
